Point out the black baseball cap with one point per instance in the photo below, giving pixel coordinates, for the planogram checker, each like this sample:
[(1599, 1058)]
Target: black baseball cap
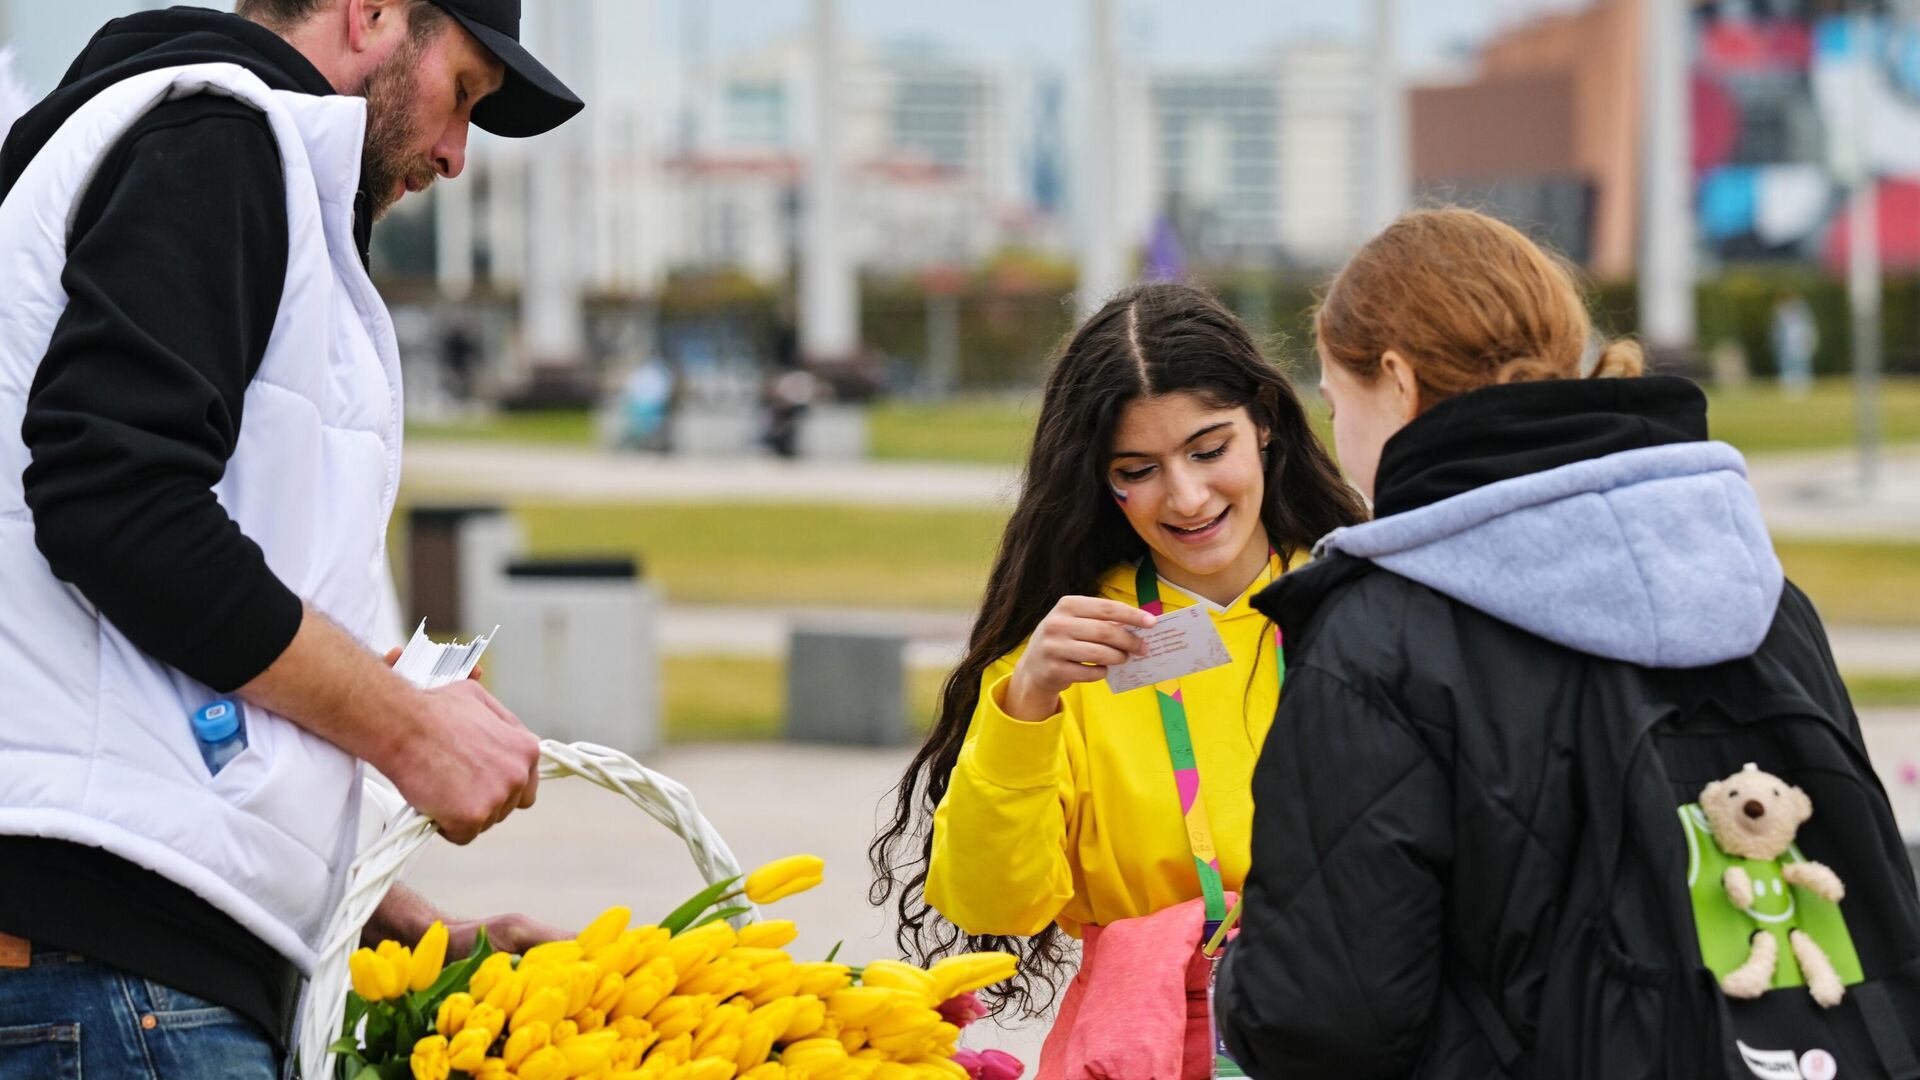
[(531, 100)]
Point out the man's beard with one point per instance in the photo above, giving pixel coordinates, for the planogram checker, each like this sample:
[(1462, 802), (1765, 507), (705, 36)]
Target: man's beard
[(388, 155)]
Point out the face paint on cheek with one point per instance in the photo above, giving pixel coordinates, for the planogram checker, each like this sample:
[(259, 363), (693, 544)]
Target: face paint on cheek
[(1118, 495)]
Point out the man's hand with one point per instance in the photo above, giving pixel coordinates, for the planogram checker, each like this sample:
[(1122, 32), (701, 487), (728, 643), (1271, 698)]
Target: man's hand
[(472, 764), (455, 753), (404, 915)]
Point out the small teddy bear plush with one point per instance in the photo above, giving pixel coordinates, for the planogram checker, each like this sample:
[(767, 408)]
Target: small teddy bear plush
[(1754, 815)]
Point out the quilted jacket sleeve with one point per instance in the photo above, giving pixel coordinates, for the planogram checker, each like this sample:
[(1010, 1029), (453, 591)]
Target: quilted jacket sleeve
[(1337, 966)]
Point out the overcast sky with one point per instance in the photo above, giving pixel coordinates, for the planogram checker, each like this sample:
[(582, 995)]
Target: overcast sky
[(47, 33)]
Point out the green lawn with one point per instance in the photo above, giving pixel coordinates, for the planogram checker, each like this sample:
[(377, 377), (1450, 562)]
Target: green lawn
[(913, 557), (740, 698), (784, 554), (1762, 420), (1857, 581), (1869, 691), (558, 427), (995, 430)]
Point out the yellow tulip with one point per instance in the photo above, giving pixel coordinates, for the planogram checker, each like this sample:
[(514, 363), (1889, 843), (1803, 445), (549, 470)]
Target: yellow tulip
[(972, 971), (468, 1049), (525, 1041), (606, 992), (756, 1042), (429, 1058), (585, 1053), (771, 934), (488, 975), (565, 1029), (712, 1068), (453, 1014), (809, 1015), (582, 977), (812, 1053), (369, 973), (553, 954), (772, 1070), (675, 1051), (640, 996), (774, 984), (900, 976), (688, 954), (782, 878), (893, 1070), (857, 1005), (590, 1019), (604, 929), (631, 949), (508, 993), (721, 978), (678, 1015), (546, 1063), (820, 978), (725, 1020), (428, 957), (547, 1007), (494, 1068), (488, 1018), (399, 960)]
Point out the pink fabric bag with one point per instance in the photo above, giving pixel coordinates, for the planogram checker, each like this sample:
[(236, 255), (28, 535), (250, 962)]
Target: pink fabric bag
[(1138, 1008)]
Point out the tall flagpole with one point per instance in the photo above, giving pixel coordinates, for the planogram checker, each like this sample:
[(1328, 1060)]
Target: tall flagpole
[(1666, 249)]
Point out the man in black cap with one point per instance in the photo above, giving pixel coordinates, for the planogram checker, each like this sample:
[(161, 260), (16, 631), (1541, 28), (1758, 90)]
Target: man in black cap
[(195, 479)]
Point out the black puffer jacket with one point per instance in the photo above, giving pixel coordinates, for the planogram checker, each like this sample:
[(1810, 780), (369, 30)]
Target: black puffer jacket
[(1548, 556)]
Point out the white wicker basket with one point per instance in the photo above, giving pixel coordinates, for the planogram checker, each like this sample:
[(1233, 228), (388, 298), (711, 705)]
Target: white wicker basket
[(380, 865)]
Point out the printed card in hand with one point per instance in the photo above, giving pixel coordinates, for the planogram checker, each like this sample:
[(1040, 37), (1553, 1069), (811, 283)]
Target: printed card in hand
[(1179, 643)]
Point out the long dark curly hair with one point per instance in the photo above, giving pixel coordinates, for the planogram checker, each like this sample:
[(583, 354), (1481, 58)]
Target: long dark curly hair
[(1066, 532)]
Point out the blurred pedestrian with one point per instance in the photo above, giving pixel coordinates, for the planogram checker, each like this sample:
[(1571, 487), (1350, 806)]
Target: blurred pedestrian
[(194, 493), (1172, 469), (1565, 620), (1796, 337)]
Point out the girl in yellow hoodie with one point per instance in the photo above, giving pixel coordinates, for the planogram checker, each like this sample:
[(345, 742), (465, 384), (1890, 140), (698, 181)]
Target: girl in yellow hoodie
[(1171, 457)]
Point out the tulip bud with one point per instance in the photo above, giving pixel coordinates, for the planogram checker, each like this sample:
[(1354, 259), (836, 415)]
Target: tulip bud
[(428, 957), (548, 1007), (524, 1041), (488, 1018), (771, 934), (468, 1049), (399, 960), (429, 1058), (366, 969), (782, 878), (453, 1014), (604, 929), (488, 975), (546, 1063)]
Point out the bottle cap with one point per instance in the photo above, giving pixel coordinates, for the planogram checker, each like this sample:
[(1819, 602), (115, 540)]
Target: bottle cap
[(217, 722)]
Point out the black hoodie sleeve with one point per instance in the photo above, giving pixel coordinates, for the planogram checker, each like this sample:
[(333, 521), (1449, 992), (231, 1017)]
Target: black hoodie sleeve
[(174, 272)]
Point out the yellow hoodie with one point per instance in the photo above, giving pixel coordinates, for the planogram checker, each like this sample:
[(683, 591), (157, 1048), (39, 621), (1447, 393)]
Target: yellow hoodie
[(1075, 818)]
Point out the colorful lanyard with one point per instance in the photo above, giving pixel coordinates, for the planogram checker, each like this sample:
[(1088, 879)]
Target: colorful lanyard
[(1186, 767)]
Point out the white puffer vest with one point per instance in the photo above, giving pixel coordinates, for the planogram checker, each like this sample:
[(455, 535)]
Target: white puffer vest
[(95, 745)]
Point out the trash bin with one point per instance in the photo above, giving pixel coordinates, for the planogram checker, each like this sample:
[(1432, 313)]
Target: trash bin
[(454, 555), (847, 687), (577, 658)]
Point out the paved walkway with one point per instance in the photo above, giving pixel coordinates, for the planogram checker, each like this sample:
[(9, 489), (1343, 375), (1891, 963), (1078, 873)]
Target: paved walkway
[(583, 848)]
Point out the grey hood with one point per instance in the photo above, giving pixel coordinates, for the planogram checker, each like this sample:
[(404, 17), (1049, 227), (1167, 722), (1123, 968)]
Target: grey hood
[(1656, 556)]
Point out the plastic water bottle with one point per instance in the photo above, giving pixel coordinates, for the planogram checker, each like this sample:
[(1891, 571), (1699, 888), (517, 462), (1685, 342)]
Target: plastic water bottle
[(221, 735)]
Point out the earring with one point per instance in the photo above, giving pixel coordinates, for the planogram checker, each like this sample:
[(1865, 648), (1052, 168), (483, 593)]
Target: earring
[(1118, 495)]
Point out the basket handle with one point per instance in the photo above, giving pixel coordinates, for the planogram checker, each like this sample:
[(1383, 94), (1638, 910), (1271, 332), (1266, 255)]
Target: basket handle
[(376, 868)]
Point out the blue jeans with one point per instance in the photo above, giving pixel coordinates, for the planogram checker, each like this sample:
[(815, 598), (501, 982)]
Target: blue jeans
[(64, 1015)]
